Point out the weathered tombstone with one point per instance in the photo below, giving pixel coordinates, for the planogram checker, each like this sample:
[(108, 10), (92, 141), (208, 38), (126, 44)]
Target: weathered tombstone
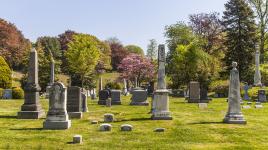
[(257, 75), (105, 127), (234, 114), (109, 102), (139, 97), (150, 89), (246, 88), (84, 102), (126, 127), (202, 105), (7, 94), (103, 96), (258, 105), (31, 109), (108, 117), (77, 139), (57, 116), (93, 95), (204, 96), (160, 107), (246, 107), (261, 95), (116, 97), (194, 92), (74, 102)]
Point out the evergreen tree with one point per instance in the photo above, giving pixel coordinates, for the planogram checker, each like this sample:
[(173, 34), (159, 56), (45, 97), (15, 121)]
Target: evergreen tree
[(240, 29), (152, 49)]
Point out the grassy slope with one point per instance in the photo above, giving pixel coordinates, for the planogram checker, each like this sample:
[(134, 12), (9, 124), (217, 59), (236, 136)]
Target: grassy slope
[(191, 128)]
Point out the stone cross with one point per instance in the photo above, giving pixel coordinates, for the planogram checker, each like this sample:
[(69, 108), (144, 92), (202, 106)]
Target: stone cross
[(161, 84), (234, 114), (31, 109), (257, 75)]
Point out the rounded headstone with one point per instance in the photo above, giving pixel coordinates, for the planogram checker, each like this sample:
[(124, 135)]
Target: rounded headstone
[(77, 139), (126, 127), (105, 127), (108, 117), (159, 130)]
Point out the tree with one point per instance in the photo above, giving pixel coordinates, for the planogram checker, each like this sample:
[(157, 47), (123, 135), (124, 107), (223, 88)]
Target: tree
[(209, 28), (152, 49), (13, 46), (261, 9), (51, 45), (5, 76), (104, 63), (134, 49), (138, 66), (240, 28), (83, 55)]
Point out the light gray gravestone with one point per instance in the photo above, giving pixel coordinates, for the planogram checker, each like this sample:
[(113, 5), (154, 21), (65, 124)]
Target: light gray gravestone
[(257, 75), (57, 116), (105, 127), (31, 109), (108, 117), (194, 92), (109, 102), (116, 97), (84, 102), (160, 104), (202, 105), (234, 114), (246, 107), (74, 102)]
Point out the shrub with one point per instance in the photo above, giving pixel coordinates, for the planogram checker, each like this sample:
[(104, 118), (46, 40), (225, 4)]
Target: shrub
[(1, 93), (17, 93), (253, 92), (5, 75), (113, 85), (219, 87)]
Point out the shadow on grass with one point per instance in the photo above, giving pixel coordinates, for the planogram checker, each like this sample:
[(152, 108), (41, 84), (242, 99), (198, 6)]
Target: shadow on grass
[(8, 117), (131, 119), (204, 122), (27, 129)]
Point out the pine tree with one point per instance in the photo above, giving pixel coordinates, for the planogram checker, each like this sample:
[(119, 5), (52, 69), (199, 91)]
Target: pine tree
[(152, 49), (240, 29)]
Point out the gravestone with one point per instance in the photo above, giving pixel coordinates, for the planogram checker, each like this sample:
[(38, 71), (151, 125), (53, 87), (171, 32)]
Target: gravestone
[(261, 95), (57, 116), (109, 102), (108, 117), (258, 105), (84, 102), (31, 109), (246, 107), (150, 89), (160, 104), (103, 96), (74, 102), (105, 127), (93, 95), (7, 94), (125, 90), (246, 88), (234, 114), (257, 75), (202, 105), (194, 92), (139, 97), (204, 96), (77, 139), (126, 127), (116, 97)]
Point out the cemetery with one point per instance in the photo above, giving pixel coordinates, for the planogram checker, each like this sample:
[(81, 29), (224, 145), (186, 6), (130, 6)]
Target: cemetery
[(204, 86)]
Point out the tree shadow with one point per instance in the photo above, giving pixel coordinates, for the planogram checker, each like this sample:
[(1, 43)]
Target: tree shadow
[(8, 117), (204, 122), (27, 129)]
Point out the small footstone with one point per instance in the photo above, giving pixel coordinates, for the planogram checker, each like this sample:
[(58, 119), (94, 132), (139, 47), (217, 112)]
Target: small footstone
[(249, 103), (202, 105), (159, 130), (258, 106), (258, 103), (77, 139), (126, 127), (108, 117), (94, 122), (246, 107), (105, 127)]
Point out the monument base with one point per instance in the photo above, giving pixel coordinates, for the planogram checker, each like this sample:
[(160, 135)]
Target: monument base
[(140, 103), (234, 119), (193, 100), (57, 125), (30, 114), (160, 106), (77, 115)]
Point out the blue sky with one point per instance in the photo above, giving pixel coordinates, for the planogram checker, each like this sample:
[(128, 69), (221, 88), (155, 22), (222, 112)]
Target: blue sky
[(131, 21)]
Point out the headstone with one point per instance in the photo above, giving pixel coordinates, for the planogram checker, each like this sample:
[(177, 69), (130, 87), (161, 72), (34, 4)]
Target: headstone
[(246, 88), (204, 96), (93, 95), (116, 97), (160, 107), (103, 96), (31, 109), (84, 102), (74, 102), (261, 95), (194, 92), (108, 117), (234, 114), (57, 116), (202, 105), (258, 105), (257, 75), (105, 127), (249, 103), (139, 97), (159, 130), (246, 107), (150, 89), (109, 102), (126, 127), (77, 139), (7, 94), (94, 122)]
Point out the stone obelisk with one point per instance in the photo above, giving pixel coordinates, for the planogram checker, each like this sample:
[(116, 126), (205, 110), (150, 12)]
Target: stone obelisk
[(160, 105), (31, 109), (52, 71), (257, 75), (234, 114), (125, 92)]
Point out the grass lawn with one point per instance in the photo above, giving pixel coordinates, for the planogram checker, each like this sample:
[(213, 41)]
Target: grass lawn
[(191, 128)]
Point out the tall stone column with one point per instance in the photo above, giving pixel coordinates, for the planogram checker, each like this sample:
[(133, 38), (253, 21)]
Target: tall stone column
[(160, 105), (100, 84), (31, 109), (234, 114), (257, 75), (52, 71)]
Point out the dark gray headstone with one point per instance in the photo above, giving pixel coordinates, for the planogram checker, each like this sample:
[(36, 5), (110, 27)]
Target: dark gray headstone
[(194, 92), (204, 96), (139, 97), (116, 97), (261, 95), (74, 102), (103, 96), (84, 102)]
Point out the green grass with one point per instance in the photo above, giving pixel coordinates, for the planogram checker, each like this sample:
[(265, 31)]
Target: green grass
[(191, 128)]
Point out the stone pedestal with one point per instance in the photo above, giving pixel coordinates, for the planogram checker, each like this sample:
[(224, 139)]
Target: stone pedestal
[(161, 106), (139, 97)]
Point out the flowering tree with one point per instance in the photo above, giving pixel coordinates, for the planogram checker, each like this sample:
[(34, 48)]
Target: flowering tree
[(138, 66)]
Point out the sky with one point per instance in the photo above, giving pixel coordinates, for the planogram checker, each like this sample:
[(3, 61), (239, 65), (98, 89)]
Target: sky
[(131, 21)]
